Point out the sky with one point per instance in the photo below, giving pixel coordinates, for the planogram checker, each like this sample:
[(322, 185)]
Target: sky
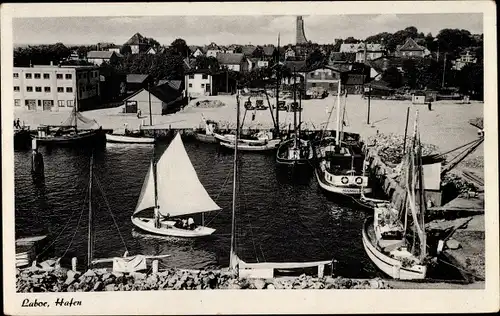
[(224, 30)]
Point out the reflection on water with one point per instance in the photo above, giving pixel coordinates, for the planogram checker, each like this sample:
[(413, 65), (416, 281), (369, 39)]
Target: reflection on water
[(280, 216)]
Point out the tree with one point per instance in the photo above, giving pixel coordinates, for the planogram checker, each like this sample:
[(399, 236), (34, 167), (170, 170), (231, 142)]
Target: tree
[(316, 58), (125, 50), (453, 41), (380, 38), (203, 62), (179, 47), (471, 80), (393, 77), (258, 52), (351, 40)]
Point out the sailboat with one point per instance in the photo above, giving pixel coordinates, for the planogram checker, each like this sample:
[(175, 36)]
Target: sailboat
[(338, 167), (295, 151), (260, 269), (172, 189), (69, 132), (385, 235)]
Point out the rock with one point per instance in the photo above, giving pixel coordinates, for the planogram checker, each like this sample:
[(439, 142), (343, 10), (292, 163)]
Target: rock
[(117, 274), (259, 284), (270, 287), (89, 273), (106, 276), (452, 244), (110, 287), (374, 284), (101, 271), (98, 286), (138, 276)]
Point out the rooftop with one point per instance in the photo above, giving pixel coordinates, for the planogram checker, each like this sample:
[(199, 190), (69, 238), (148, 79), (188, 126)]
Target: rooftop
[(229, 59), (410, 45), (100, 54), (136, 78)]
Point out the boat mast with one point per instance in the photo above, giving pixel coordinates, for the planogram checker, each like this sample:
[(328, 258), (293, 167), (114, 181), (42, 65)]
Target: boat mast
[(422, 201), (232, 263), (294, 105), (337, 132), (278, 89), (149, 98), (155, 180), (89, 241)]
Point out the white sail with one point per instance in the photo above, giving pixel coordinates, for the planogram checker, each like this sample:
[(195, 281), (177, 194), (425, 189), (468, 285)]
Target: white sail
[(147, 197), (179, 190)]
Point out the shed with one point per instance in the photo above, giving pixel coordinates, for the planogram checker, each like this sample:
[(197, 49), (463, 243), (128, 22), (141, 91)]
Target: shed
[(164, 99), (418, 97)]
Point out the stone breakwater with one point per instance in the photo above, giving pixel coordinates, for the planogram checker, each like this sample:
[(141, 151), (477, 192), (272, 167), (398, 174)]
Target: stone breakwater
[(56, 279)]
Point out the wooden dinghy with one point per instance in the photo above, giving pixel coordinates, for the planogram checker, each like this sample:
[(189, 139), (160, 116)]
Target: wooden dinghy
[(172, 189), (117, 138)]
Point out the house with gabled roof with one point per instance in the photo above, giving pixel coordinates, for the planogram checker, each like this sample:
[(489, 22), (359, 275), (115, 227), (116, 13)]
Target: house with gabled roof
[(411, 49), (137, 43), (248, 50), (268, 51), (235, 62), (161, 99), (196, 51), (98, 57)]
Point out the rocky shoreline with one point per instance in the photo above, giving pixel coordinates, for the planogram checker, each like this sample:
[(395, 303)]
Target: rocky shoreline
[(48, 277)]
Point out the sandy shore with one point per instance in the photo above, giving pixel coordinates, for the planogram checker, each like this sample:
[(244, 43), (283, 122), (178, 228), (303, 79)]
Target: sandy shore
[(446, 126)]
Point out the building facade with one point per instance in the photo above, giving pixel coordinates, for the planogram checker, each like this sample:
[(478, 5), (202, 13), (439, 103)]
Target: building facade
[(98, 57), (325, 77), (56, 88), (411, 49), (369, 52), (198, 83), (465, 58)]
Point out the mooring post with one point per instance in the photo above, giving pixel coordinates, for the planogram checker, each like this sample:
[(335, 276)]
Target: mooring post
[(334, 267), (155, 267), (321, 270), (36, 159), (73, 263)]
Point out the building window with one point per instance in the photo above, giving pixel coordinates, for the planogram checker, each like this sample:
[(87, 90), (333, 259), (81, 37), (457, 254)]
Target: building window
[(191, 76), (38, 89), (17, 89), (330, 85), (16, 75), (190, 85), (68, 76), (59, 76), (17, 102), (204, 76), (39, 102), (60, 89), (46, 89), (69, 103), (203, 85), (46, 76), (60, 103), (28, 76), (38, 76), (69, 90), (29, 89)]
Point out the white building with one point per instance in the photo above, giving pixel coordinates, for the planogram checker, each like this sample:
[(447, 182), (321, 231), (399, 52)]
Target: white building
[(198, 83), (98, 57), (467, 57), (56, 88)]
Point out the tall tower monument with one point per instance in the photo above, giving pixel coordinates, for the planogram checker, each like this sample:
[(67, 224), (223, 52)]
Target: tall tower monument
[(301, 35)]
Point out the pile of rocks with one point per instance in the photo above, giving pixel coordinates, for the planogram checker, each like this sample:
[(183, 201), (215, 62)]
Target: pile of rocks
[(390, 147), (461, 185), (209, 104), (49, 278), (477, 163)]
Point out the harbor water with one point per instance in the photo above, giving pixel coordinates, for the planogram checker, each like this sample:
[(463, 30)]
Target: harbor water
[(279, 218)]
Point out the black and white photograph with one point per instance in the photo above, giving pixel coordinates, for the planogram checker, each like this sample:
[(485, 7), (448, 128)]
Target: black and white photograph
[(228, 150)]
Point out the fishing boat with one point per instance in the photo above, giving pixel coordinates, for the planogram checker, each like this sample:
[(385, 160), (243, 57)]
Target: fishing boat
[(339, 164), (385, 235), (295, 151), (172, 189), (263, 269), (75, 129), (206, 135)]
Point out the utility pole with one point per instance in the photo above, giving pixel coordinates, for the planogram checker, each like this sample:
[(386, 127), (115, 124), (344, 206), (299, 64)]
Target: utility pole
[(444, 70), (369, 98)]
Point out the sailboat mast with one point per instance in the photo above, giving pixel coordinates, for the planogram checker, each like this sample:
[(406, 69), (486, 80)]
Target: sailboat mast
[(422, 202), (232, 264), (278, 89), (89, 241), (155, 180), (149, 98), (337, 132), (300, 107), (294, 102)]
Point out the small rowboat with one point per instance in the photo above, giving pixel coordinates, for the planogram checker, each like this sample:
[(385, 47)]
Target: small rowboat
[(268, 146), (113, 138)]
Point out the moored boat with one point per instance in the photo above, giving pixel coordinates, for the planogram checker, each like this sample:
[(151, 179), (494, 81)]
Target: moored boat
[(243, 146), (117, 138), (385, 236), (207, 135), (172, 189)]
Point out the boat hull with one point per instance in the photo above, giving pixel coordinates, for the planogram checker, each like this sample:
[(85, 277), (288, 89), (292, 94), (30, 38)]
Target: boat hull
[(228, 138), (350, 191), (302, 161), (209, 139), (167, 229), (388, 265), (271, 145), (65, 140), (129, 139)]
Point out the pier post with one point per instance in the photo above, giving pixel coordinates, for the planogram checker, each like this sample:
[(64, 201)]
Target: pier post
[(334, 267), (37, 166), (321, 270), (73, 264), (155, 267)]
